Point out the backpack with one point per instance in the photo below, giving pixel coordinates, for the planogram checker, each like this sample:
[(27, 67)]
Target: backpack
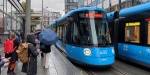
[(18, 39), (22, 52), (8, 46)]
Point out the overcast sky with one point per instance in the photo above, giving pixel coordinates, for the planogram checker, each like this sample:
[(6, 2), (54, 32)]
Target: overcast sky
[(52, 4)]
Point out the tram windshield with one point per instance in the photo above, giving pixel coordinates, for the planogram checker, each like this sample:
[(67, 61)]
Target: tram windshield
[(92, 29)]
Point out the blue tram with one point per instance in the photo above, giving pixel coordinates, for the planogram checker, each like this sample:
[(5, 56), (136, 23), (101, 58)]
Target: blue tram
[(133, 33), (85, 37)]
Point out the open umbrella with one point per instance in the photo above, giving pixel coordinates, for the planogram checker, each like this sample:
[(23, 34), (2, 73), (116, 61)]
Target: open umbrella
[(48, 36)]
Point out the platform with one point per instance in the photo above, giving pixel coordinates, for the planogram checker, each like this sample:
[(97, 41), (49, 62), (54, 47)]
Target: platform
[(59, 65)]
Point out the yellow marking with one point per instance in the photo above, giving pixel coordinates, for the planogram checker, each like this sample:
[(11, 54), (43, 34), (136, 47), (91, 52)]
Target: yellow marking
[(133, 24)]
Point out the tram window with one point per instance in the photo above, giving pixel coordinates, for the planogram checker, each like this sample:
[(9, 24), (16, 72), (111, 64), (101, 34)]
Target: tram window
[(132, 32), (64, 33), (58, 31), (61, 32), (149, 32), (68, 32), (75, 34)]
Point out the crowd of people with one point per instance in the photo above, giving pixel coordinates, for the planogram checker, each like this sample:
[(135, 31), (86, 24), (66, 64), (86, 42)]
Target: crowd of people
[(25, 51)]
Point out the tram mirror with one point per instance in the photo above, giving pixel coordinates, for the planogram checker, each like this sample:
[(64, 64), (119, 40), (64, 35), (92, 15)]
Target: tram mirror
[(116, 15)]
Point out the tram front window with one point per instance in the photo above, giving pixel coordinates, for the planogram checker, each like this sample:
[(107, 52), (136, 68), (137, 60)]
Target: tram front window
[(92, 29)]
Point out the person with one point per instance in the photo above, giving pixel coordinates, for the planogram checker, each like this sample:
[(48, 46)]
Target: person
[(46, 49), (38, 43), (31, 67), (47, 37), (22, 35), (2, 62), (17, 39), (12, 55)]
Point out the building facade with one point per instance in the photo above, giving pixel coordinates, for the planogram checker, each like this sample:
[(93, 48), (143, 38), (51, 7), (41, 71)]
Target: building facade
[(48, 18), (9, 21), (71, 4)]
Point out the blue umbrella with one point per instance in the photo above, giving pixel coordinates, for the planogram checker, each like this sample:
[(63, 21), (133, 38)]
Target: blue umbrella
[(48, 36)]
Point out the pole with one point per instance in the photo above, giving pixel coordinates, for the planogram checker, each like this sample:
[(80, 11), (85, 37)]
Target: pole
[(6, 18), (42, 17), (102, 4), (109, 5), (96, 3), (11, 19), (28, 18), (120, 4), (3, 17), (87, 2)]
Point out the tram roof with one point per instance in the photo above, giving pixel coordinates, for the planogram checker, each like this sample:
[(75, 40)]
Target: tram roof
[(143, 9), (80, 9), (139, 9)]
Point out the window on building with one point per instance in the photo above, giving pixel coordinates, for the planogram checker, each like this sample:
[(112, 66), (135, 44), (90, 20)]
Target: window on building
[(71, 0), (1, 4), (149, 32), (75, 0), (9, 8), (132, 32)]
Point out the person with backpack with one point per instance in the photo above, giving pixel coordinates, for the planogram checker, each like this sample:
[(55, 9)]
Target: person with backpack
[(31, 66), (22, 52), (9, 50)]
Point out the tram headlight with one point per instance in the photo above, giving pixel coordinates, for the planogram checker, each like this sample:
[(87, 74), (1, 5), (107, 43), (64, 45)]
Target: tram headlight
[(87, 52)]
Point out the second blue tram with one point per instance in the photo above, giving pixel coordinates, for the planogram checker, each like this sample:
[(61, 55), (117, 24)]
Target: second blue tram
[(84, 36), (133, 33)]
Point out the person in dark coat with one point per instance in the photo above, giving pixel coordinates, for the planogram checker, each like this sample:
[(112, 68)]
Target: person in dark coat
[(31, 67)]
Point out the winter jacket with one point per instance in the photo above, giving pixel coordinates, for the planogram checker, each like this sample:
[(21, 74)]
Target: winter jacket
[(31, 67)]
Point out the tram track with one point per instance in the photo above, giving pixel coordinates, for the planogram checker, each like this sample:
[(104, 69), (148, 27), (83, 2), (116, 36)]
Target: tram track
[(110, 71), (130, 69), (120, 71), (120, 68)]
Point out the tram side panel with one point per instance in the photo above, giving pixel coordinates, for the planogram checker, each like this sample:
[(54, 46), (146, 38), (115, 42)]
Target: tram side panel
[(132, 45)]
